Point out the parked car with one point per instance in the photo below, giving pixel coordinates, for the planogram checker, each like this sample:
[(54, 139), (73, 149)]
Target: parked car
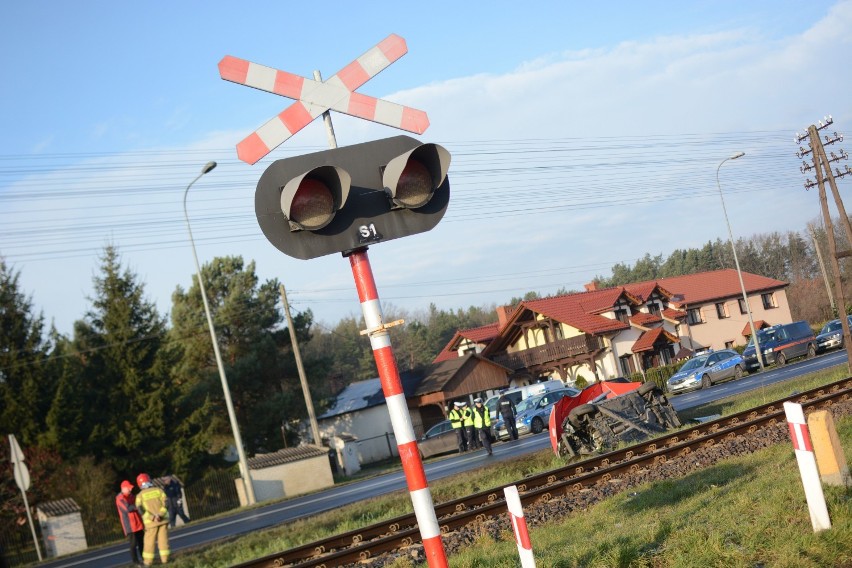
[(704, 370), (780, 343), (439, 439), (533, 413), (831, 335)]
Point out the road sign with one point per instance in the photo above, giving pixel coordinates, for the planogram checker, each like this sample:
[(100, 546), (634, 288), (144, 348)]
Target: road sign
[(16, 456), (313, 98)]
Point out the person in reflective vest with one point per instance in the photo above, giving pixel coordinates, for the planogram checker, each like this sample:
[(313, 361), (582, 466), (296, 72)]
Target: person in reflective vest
[(470, 430), (456, 421), (151, 503), (482, 424), (131, 520)]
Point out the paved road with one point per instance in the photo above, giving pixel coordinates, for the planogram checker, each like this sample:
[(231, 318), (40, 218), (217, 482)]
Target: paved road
[(202, 532)]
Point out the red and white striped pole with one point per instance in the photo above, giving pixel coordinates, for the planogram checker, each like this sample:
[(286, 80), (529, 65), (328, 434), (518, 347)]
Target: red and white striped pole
[(801, 437), (519, 524), (406, 441)]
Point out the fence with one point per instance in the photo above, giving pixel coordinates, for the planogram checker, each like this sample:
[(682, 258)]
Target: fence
[(214, 494)]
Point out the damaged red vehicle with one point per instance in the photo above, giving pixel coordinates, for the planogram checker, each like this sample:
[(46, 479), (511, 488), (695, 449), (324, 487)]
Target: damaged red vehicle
[(606, 413)]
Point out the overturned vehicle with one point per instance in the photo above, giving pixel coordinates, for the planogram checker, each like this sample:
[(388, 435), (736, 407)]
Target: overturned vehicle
[(606, 413)]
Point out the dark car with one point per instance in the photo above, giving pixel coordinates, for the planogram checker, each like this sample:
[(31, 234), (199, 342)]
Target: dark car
[(704, 370), (831, 336), (439, 439), (781, 343)]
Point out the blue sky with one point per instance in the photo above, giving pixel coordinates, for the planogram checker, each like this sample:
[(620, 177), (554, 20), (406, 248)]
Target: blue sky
[(582, 135)]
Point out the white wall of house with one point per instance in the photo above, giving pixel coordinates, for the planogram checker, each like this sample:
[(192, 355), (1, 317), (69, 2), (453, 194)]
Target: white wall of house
[(371, 426), (716, 332)]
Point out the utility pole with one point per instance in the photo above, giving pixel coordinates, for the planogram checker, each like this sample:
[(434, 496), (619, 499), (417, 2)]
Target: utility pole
[(302, 378), (822, 169), (823, 271)]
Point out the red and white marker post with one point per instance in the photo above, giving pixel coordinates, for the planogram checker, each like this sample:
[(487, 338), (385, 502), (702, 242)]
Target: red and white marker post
[(519, 524), (807, 466), (406, 441)]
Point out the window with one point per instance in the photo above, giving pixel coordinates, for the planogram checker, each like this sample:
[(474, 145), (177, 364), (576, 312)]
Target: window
[(622, 315), (729, 345), (693, 316), (721, 310), (768, 301), (743, 306), (654, 308)]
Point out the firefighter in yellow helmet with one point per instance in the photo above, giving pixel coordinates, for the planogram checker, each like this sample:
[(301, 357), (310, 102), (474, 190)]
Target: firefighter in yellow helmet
[(151, 503)]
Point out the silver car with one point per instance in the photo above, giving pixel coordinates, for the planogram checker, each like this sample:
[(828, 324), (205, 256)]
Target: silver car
[(704, 370), (439, 439)]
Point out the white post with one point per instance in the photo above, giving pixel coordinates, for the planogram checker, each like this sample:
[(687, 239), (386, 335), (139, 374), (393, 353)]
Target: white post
[(807, 466), (519, 524)]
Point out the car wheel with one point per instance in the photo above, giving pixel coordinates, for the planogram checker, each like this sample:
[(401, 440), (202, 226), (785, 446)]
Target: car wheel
[(646, 388), (537, 425), (811, 351), (780, 360), (738, 372), (577, 413), (705, 381)]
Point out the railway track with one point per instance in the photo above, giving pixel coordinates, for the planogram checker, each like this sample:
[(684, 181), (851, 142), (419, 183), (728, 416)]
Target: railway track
[(605, 469)]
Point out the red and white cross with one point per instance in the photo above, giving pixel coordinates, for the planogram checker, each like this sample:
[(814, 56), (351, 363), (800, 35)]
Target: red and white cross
[(313, 98)]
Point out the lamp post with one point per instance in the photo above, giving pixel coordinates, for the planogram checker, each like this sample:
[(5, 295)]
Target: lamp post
[(737, 262), (246, 476)]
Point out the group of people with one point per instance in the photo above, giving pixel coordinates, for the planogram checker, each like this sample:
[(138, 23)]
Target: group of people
[(473, 424), (147, 516)]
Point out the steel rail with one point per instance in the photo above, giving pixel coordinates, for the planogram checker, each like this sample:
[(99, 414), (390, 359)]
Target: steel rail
[(399, 532)]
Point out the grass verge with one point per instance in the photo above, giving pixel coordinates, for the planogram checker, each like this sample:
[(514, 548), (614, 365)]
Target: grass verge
[(748, 512)]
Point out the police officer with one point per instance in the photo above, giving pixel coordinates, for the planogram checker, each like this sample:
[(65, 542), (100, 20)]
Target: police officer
[(507, 410), (482, 423), (456, 420), (470, 430)]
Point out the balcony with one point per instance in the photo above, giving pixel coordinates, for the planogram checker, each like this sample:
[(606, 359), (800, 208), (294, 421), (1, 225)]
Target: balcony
[(563, 349)]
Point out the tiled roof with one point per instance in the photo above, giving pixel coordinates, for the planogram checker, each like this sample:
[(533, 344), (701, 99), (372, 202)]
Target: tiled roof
[(575, 310), (483, 334), (672, 314), (648, 338), (287, 455), (717, 284), (642, 319), (59, 507), (480, 334)]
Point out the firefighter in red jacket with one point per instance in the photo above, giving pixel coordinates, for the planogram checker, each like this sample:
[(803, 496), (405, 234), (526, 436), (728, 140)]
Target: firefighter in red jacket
[(131, 520), (151, 502)]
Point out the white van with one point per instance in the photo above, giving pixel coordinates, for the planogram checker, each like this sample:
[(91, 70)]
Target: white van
[(518, 394)]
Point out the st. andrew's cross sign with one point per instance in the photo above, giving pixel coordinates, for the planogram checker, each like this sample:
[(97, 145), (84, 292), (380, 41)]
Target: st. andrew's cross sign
[(316, 97)]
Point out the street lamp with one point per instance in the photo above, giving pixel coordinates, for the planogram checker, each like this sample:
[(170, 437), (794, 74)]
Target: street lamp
[(737, 262), (246, 476)]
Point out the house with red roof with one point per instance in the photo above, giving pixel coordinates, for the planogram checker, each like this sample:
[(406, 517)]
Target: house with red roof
[(603, 333)]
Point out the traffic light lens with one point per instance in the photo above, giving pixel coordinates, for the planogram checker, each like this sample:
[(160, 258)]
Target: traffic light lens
[(415, 186), (313, 205)]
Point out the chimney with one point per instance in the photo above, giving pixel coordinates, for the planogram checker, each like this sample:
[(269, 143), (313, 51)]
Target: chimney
[(503, 315), (591, 286)]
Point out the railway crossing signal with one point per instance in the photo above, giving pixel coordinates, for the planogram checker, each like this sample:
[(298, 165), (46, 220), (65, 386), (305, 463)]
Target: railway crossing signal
[(347, 198)]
